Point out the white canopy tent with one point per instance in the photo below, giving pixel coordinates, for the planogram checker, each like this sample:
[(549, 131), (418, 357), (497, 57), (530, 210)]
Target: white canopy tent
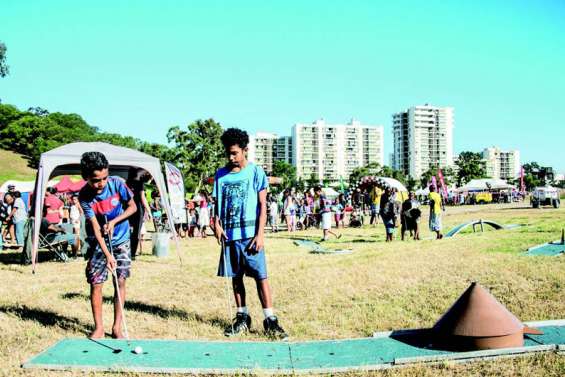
[(21, 186), (485, 184), (330, 192), (66, 160)]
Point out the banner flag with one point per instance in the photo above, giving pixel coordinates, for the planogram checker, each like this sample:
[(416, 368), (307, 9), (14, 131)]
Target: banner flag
[(175, 184)]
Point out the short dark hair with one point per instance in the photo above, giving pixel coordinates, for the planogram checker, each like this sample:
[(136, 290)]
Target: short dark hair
[(235, 136), (52, 190), (92, 161)]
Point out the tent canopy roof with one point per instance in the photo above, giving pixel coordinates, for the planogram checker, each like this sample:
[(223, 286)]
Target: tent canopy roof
[(485, 184), (120, 158)]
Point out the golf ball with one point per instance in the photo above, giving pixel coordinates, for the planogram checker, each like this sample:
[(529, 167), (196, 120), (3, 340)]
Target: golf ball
[(138, 350)]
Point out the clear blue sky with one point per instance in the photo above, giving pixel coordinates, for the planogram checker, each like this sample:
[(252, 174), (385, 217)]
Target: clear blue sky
[(139, 67)]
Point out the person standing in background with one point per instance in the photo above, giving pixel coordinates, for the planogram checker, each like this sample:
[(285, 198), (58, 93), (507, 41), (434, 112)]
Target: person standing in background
[(136, 183)]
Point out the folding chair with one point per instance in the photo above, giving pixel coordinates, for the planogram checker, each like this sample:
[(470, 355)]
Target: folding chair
[(49, 241)]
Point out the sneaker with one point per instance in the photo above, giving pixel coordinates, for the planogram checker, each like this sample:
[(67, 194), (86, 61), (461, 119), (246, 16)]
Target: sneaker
[(273, 329), (241, 324)]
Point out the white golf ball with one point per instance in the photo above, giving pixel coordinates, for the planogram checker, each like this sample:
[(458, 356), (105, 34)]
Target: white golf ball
[(138, 350)]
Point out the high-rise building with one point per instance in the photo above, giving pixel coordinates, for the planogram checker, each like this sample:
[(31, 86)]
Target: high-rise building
[(332, 151), (262, 150), (267, 148), (502, 164), (423, 139), (283, 149)]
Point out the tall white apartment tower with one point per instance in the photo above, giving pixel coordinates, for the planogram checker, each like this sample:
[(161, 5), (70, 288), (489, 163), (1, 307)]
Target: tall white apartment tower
[(267, 148), (423, 138), (261, 150), (502, 164), (333, 151)]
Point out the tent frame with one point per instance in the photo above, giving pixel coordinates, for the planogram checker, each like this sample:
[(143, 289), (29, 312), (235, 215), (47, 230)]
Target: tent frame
[(66, 160)]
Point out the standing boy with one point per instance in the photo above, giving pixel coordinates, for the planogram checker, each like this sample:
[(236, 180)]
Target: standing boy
[(101, 200), (240, 192)]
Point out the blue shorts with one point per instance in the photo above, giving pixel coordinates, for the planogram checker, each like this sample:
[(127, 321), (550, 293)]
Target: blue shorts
[(241, 261)]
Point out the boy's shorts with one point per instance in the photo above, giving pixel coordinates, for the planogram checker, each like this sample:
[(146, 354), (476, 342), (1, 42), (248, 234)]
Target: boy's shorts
[(241, 261), (96, 271)]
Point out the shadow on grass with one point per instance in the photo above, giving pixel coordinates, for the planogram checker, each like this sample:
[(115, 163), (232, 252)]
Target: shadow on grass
[(46, 318), (10, 257), (156, 310), (17, 257)]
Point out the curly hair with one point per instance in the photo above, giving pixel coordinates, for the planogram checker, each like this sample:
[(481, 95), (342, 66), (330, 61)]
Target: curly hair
[(92, 161), (235, 136)]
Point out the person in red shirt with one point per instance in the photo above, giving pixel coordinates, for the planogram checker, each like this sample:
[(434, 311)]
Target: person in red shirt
[(53, 206)]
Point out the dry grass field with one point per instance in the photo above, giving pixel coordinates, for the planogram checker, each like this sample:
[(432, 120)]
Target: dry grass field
[(379, 287)]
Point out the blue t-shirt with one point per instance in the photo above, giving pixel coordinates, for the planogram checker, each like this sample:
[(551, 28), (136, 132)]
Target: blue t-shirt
[(108, 203), (237, 200)]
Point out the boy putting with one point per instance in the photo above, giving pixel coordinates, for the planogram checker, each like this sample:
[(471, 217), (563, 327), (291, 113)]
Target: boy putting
[(240, 190), (108, 235)]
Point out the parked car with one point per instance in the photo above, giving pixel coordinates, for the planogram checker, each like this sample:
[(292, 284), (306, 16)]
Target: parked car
[(483, 198), (545, 196)]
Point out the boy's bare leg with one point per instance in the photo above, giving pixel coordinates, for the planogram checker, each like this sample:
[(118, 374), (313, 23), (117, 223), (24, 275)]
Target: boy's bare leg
[(264, 292), (239, 291), (117, 326), (96, 304)]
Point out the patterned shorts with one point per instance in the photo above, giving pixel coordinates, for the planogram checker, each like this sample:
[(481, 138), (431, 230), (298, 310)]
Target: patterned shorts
[(96, 271)]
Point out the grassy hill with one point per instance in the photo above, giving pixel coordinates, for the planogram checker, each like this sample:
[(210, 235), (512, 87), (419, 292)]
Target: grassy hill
[(14, 166)]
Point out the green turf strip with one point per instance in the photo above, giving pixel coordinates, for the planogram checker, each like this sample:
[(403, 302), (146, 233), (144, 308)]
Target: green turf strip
[(232, 357), (549, 249)]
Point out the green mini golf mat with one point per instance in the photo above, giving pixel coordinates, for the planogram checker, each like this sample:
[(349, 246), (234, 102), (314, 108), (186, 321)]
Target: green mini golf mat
[(316, 248), (549, 249), (384, 350)]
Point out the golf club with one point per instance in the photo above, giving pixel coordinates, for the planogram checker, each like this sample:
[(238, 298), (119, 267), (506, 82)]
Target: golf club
[(227, 286), (118, 294)]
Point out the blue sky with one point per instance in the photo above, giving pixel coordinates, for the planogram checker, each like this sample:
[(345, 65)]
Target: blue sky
[(140, 67)]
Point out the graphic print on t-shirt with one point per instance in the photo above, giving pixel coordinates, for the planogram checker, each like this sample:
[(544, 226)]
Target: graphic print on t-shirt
[(234, 195)]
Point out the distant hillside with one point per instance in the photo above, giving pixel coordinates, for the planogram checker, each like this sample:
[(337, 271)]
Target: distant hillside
[(14, 166)]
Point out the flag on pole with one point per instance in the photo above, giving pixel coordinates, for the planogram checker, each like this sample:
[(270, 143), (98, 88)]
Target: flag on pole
[(442, 182)]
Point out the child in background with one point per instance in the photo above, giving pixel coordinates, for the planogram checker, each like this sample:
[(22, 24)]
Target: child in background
[(274, 214)]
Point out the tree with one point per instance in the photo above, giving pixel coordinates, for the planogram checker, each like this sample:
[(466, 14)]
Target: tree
[(285, 171), (357, 174), (39, 111), (447, 172), (471, 166), (4, 69), (198, 151), (536, 175), (312, 181), (411, 183)]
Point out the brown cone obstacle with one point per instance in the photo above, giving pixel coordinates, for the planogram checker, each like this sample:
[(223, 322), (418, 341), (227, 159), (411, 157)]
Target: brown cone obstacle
[(478, 321)]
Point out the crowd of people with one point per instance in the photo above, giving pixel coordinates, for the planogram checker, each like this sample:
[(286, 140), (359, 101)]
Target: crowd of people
[(312, 208)]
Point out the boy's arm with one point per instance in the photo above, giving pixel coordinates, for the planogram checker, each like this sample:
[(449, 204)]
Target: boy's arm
[(145, 204), (259, 240), (130, 210), (110, 260)]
